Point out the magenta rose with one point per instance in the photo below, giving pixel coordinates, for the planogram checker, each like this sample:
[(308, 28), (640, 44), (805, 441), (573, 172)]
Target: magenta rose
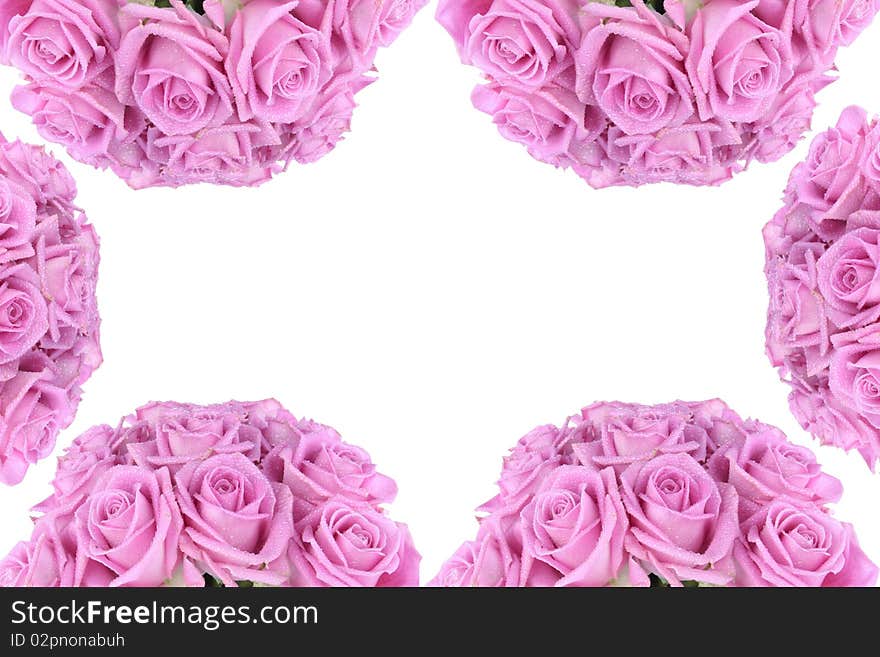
[(276, 63), (345, 544), (23, 312), (551, 122), (33, 408), (18, 217), (787, 545), (524, 43), (854, 375), (67, 43), (576, 524), (237, 524), (765, 466), (737, 63), (682, 523), (131, 525), (90, 122), (170, 64), (849, 278), (181, 434), (631, 64), (318, 466)]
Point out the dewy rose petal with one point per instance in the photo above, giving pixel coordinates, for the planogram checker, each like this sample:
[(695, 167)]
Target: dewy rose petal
[(680, 494)]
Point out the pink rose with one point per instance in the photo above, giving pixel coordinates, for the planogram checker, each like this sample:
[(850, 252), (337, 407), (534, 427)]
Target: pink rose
[(870, 163), (31, 167), (237, 524), (33, 408), (47, 560), (551, 122), (14, 566), (683, 523), (223, 155), (854, 375), (318, 131), (765, 466), (786, 545), (626, 434), (687, 153), (576, 524), (525, 43), (849, 279), (277, 64), (631, 64), (23, 312), (131, 524), (456, 15), (180, 433), (485, 562), (18, 218), (340, 544), (90, 122), (67, 43), (827, 24), (170, 64), (83, 465), (737, 63), (317, 466), (8, 10), (788, 120), (367, 24)]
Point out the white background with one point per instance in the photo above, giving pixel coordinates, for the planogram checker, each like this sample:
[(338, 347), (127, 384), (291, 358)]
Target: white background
[(433, 293)]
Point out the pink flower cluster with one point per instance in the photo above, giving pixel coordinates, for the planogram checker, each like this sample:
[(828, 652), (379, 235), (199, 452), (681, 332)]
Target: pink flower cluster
[(679, 494), (236, 493), (686, 91), (220, 91), (823, 272), (48, 313)]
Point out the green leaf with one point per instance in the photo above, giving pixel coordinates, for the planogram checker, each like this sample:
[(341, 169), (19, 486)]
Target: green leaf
[(658, 582), (212, 582), (245, 584)]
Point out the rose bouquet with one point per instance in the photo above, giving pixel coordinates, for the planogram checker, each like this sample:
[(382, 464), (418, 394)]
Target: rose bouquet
[(231, 494), (628, 93), (823, 272), (683, 494), (167, 92), (48, 313)]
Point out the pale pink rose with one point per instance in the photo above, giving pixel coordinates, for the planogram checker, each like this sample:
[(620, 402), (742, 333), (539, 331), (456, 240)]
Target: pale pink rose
[(8, 10), (67, 43), (788, 120), (631, 64), (131, 525), (23, 312), (345, 544), (18, 218), (83, 465), (317, 466), (523, 43), (854, 374), (46, 560), (576, 524), (828, 24), (849, 279), (456, 15), (870, 163), (14, 565), (367, 24), (277, 64), (682, 523), (788, 545), (824, 416), (237, 524), (765, 465), (33, 408), (170, 65), (737, 63), (90, 122), (31, 167)]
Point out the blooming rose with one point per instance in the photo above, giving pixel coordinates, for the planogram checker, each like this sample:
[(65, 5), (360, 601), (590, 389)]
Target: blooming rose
[(31, 167), (8, 10), (23, 312), (183, 433), (787, 121), (456, 15), (317, 466), (551, 122), (318, 131), (576, 524), (18, 217), (131, 525), (236, 523), (14, 565), (83, 465), (827, 24), (765, 466), (89, 122), (32, 410), (276, 63), (824, 416), (870, 163), (524, 43), (849, 278), (787, 545), (683, 523), (64, 42), (367, 24), (737, 63), (631, 64), (170, 64), (47, 560), (854, 375), (340, 544)]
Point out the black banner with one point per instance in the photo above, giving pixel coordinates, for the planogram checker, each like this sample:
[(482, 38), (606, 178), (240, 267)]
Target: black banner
[(86, 621)]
